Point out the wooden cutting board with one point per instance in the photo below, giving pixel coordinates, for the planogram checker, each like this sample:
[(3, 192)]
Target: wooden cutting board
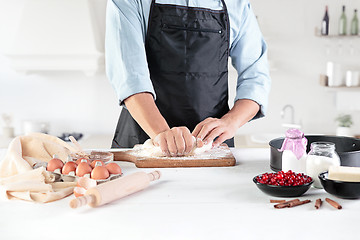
[(218, 157)]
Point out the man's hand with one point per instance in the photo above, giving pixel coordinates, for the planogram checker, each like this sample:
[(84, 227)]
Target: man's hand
[(176, 141), (211, 128), (225, 128)]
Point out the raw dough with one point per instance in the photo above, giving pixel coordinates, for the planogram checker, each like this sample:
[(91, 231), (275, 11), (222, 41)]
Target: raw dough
[(149, 149)]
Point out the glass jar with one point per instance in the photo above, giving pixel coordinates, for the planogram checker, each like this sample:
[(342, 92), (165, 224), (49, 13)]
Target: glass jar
[(322, 155), (294, 151)]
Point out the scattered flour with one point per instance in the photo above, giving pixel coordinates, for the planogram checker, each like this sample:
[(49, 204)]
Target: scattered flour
[(147, 150)]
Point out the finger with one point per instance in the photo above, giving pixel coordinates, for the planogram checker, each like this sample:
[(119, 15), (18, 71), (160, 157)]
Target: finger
[(209, 119), (213, 134), (189, 142), (155, 141), (220, 140), (197, 129), (160, 141), (200, 125), (199, 143), (179, 142), (171, 145), (206, 130)]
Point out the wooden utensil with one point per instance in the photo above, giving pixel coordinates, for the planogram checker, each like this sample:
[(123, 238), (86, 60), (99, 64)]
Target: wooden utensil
[(218, 157), (115, 189), (77, 146)]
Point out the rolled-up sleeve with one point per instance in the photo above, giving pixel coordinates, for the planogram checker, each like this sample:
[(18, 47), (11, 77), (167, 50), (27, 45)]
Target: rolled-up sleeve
[(126, 65), (249, 57)]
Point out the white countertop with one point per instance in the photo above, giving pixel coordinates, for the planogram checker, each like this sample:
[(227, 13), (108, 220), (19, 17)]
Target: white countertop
[(187, 203), (91, 141)]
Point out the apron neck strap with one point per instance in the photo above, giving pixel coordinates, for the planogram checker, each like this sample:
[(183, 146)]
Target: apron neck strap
[(224, 5)]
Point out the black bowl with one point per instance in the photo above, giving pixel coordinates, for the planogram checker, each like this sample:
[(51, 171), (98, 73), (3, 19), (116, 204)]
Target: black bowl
[(282, 191), (350, 190), (348, 149)]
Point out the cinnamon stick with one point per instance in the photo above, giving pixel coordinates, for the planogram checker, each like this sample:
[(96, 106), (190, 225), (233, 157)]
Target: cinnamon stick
[(286, 204), (333, 203), (298, 203), (318, 203), (277, 201)]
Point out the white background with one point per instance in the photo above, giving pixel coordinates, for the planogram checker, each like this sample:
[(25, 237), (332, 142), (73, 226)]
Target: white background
[(71, 101)]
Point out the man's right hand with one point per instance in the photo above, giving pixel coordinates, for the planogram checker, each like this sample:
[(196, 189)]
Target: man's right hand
[(176, 141)]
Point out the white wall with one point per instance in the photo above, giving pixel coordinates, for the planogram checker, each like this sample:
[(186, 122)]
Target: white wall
[(69, 101), (299, 58), (74, 102)]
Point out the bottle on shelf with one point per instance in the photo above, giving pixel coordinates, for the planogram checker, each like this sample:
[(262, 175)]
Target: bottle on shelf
[(342, 22), (354, 30), (325, 23)]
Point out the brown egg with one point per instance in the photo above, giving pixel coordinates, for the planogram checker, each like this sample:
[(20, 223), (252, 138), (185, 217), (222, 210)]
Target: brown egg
[(113, 168), (54, 164), (69, 167), (82, 160), (95, 161), (79, 191), (86, 183), (100, 172), (82, 169)]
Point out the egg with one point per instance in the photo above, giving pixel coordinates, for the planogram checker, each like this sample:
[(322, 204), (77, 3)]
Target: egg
[(113, 168), (69, 167), (82, 169), (82, 160), (79, 191), (97, 161), (54, 164), (83, 184), (100, 172), (86, 183)]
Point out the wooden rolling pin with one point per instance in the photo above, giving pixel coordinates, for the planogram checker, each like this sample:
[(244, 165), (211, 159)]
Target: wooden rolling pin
[(115, 189)]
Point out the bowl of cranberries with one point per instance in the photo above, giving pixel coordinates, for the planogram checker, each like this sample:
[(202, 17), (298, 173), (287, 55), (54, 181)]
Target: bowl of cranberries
[(283, 184)]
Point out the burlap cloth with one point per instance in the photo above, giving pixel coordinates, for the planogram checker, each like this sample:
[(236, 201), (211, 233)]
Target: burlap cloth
[(18, 179)]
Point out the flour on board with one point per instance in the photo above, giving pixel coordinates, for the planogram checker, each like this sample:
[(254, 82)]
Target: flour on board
[(206, 152)]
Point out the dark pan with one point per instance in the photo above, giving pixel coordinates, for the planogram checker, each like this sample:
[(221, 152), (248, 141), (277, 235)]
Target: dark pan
[(341, 189), (348, 149)]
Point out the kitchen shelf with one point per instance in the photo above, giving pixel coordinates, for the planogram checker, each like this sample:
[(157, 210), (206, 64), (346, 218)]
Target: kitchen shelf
[(324, 81), (341, 89), (339, 37)]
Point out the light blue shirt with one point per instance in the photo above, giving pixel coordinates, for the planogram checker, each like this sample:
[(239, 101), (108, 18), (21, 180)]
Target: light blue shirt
[(126, 64)]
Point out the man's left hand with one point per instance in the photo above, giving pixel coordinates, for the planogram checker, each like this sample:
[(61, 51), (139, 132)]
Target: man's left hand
[(211, 128), (225, 127)]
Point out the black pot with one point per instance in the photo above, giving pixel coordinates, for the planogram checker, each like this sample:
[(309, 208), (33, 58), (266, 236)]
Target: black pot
[(348, 149)]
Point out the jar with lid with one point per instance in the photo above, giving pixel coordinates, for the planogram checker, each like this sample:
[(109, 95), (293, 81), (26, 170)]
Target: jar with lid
[(322, 155), (294, 151)]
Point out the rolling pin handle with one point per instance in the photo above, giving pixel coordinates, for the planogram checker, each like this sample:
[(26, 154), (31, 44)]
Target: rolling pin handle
[(154, 175), (81, 201)]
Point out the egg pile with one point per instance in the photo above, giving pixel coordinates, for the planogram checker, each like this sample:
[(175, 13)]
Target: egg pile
[(83, 167)]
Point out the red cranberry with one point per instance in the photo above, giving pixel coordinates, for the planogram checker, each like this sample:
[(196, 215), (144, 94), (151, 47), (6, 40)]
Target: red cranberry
[(282, 178)]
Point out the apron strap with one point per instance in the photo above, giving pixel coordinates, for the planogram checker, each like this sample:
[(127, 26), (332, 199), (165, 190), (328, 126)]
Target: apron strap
[(224, 5)]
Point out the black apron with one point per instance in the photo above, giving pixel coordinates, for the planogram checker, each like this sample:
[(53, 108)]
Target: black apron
[(187, 51)]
